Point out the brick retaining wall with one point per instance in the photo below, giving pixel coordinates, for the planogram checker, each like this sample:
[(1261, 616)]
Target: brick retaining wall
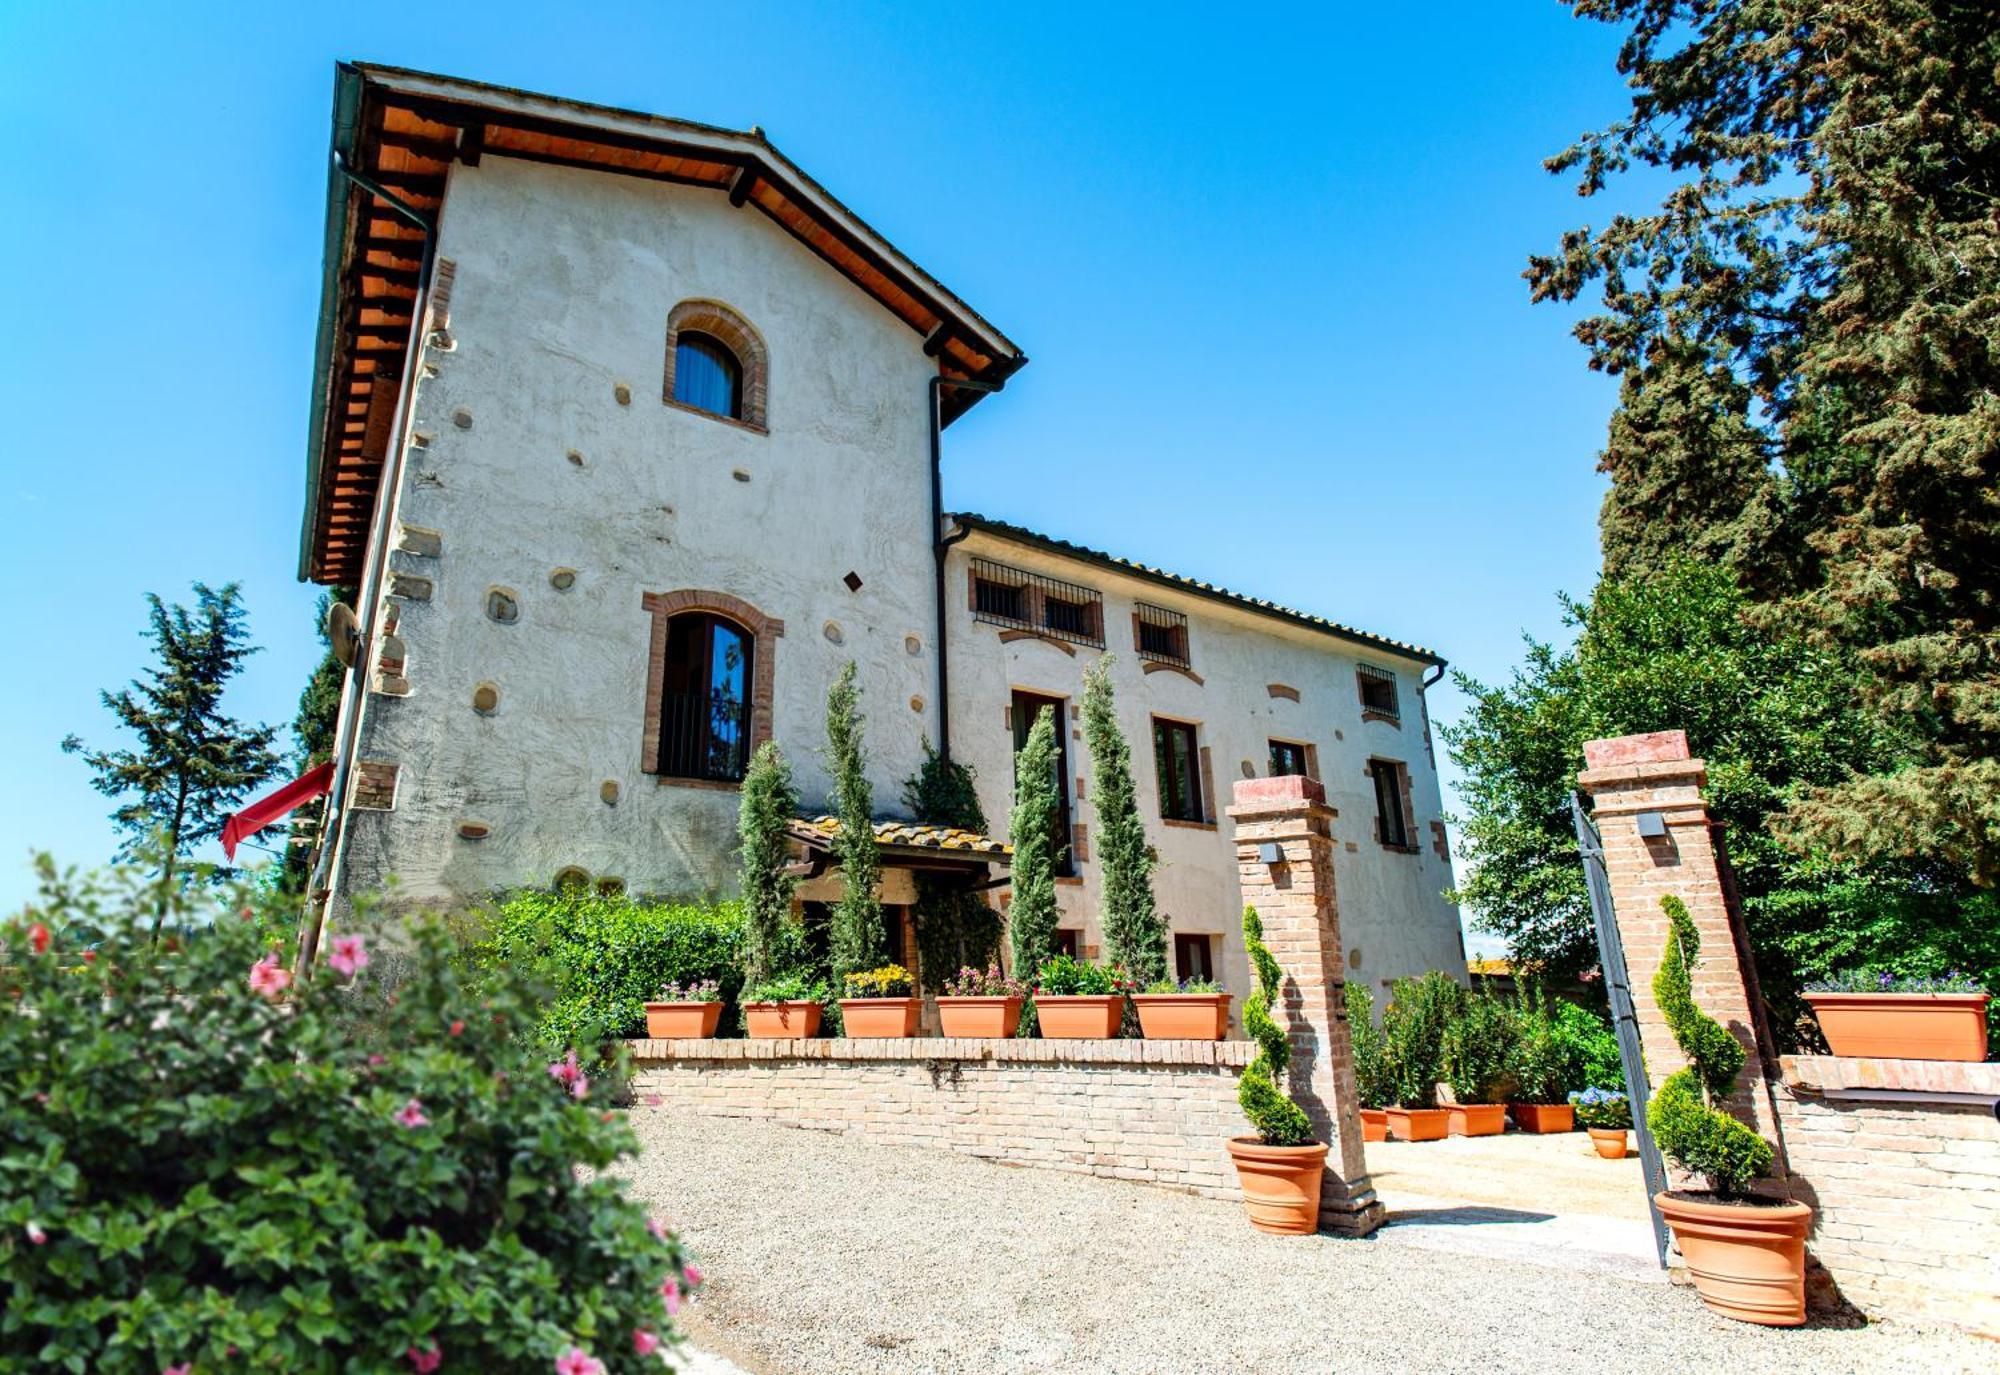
[(1154, 1111)]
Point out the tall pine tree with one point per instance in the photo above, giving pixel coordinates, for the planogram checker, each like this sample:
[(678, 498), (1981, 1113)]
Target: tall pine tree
[(1134, 935), (858, 939), (1031, 916)]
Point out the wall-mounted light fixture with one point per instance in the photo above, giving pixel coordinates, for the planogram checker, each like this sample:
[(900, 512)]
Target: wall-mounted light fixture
[(1652, 826), (1271, 852)]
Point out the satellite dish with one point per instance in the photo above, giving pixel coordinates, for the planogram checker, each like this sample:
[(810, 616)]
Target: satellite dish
[(343, 632)]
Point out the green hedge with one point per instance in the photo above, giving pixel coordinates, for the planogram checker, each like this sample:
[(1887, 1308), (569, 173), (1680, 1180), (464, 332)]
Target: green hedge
[(603, 957)]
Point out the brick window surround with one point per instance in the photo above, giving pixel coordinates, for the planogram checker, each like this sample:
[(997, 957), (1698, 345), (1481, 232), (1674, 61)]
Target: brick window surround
[(720, 322), (1398, 785), (764, 632)]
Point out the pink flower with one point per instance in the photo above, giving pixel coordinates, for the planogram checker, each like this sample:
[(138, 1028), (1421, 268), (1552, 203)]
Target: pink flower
[(268, 978), (644, 1343), (411, 1114), (566, 1071), (38, 939), (375, 1060), (36, 1234), (457, 1028), (577, 1361), (348, 956), (657, 1228), (691, 1274), (184, 1368), (670, 1294), (247, 913), (425, 1361), (579, 1088)]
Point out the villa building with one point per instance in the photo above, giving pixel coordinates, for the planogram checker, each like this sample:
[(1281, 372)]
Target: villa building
[(625, 438)]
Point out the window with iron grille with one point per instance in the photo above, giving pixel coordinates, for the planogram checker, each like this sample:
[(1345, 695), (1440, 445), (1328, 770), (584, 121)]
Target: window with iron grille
[(1162, 635), (1378, 692), (1020, 600)]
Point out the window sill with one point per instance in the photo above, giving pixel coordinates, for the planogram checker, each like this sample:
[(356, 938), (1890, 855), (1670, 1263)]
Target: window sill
[(709, 785), (1187, 825), (712, 415), (1401, 849)]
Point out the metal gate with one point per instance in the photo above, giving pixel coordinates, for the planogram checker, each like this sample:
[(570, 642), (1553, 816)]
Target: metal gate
[(1618, 987)]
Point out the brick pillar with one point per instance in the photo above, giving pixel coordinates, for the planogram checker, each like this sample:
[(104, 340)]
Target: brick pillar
[(1631, 777), (1295, 898)]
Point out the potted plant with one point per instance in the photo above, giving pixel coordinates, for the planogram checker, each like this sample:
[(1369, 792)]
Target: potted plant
[(879, 1004), (1076, 1000), (1191, 1010), (1747, 1255), (1544, 1067), (788, 1005), (1607, 1115), (1874, 1013), (1371, 1066), (1413, 1031), (982, 1003), (685, 1011), (1282, 1167), (1479, 1065)]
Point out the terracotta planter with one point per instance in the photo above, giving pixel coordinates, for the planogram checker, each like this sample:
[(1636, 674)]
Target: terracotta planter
[(982, 1017), (1182, 1016), (682, 1021), (1374, 1124), (1079, 1017), (1419, 1124), (1610, 1141), (1280, 1184), (774, 1021), (874, 1019), (1903, 1026), (1478, 1119), (1748, 1261), (1543, 1117)]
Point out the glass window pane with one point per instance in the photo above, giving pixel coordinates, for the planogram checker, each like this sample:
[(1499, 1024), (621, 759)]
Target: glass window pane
[(707, 376)]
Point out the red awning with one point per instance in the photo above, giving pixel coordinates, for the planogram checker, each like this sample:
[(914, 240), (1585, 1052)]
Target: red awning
[(265, 810)]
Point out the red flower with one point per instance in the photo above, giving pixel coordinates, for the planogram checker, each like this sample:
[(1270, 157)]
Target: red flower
[(38, 939), (424, 1362)]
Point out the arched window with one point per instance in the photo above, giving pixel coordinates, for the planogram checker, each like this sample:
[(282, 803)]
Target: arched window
[(707, 375), (705, 720)]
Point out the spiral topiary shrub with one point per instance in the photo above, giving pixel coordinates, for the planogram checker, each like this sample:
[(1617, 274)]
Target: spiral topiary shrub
[(1692, 1131), (1278, 1120)]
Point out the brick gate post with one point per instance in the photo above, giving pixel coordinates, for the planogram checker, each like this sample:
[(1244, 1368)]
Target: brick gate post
[(1651, 777), (1295, 897)]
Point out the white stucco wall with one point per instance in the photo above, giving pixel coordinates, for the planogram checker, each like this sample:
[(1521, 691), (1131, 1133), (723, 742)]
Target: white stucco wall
[(564, 280)]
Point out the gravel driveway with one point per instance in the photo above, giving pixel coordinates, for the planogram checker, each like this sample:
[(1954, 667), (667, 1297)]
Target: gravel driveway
[(824, 1255)]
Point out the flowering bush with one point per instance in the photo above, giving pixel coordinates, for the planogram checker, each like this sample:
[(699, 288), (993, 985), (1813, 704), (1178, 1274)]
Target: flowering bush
[(989, 982), (890, 981), (693, 991), (207, 1164), (1605, 1109), (1882, 981), (1067, 977)]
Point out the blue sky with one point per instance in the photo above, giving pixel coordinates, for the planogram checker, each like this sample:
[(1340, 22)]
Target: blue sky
[(1266, 263)]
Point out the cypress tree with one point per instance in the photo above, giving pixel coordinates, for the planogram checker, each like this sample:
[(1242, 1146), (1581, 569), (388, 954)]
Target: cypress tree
[(1031, 917), (769, 801), (1134, 935), (858, 939), (955, 928)]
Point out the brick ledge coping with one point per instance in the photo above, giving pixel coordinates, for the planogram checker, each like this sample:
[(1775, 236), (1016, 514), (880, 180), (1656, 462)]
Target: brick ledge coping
[(1911, 1076), (1215, 1054)]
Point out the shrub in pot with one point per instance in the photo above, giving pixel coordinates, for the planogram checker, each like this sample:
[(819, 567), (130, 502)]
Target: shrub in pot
[(1549, 1054), (1607, 1115), (1747, 1256), (1371, 1066), (1076, 1000), (981, 1003), (1479, 1065), (879, 1003), (1869, 1012), (1191, 1010), (788, 1005), (1282, 1167), (685, 1011), (1414, 1025)]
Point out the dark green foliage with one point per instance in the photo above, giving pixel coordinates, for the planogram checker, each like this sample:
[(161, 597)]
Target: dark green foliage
[(955, 928), (1560, 1047), (1134, 935), (1065, 976), (603, 958), (229, 1183), (1372, 1084), (1479, 1050), (769, 801), (1691, 1130), (191, 766), (860, 940), (1419, 1017), (1031, 917), (1278, 1120)]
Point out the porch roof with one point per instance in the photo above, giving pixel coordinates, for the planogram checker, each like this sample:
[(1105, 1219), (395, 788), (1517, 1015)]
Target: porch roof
[(910, 841)]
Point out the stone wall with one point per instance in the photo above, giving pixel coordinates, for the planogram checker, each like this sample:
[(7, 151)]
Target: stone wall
[(1158, 1112)]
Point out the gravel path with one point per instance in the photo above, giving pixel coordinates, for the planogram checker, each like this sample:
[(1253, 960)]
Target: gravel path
[(824, 1255)]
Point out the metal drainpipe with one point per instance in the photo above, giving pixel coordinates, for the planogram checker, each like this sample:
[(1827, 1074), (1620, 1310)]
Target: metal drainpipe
[(354, 692), (940, 542)]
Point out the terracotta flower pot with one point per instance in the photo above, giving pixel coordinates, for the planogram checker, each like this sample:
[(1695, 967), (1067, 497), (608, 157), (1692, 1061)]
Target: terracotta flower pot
[(1748, 1261), (1478, 1119), (1903, 1026), (1280, 1184), (682, 1021), (1419, 1124), (1374, 1124), (774, 1021), (1182, 1016), (983, 1017), (879, 1018), (1543, 1117), (1079, 1017), (1610, 1141)]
